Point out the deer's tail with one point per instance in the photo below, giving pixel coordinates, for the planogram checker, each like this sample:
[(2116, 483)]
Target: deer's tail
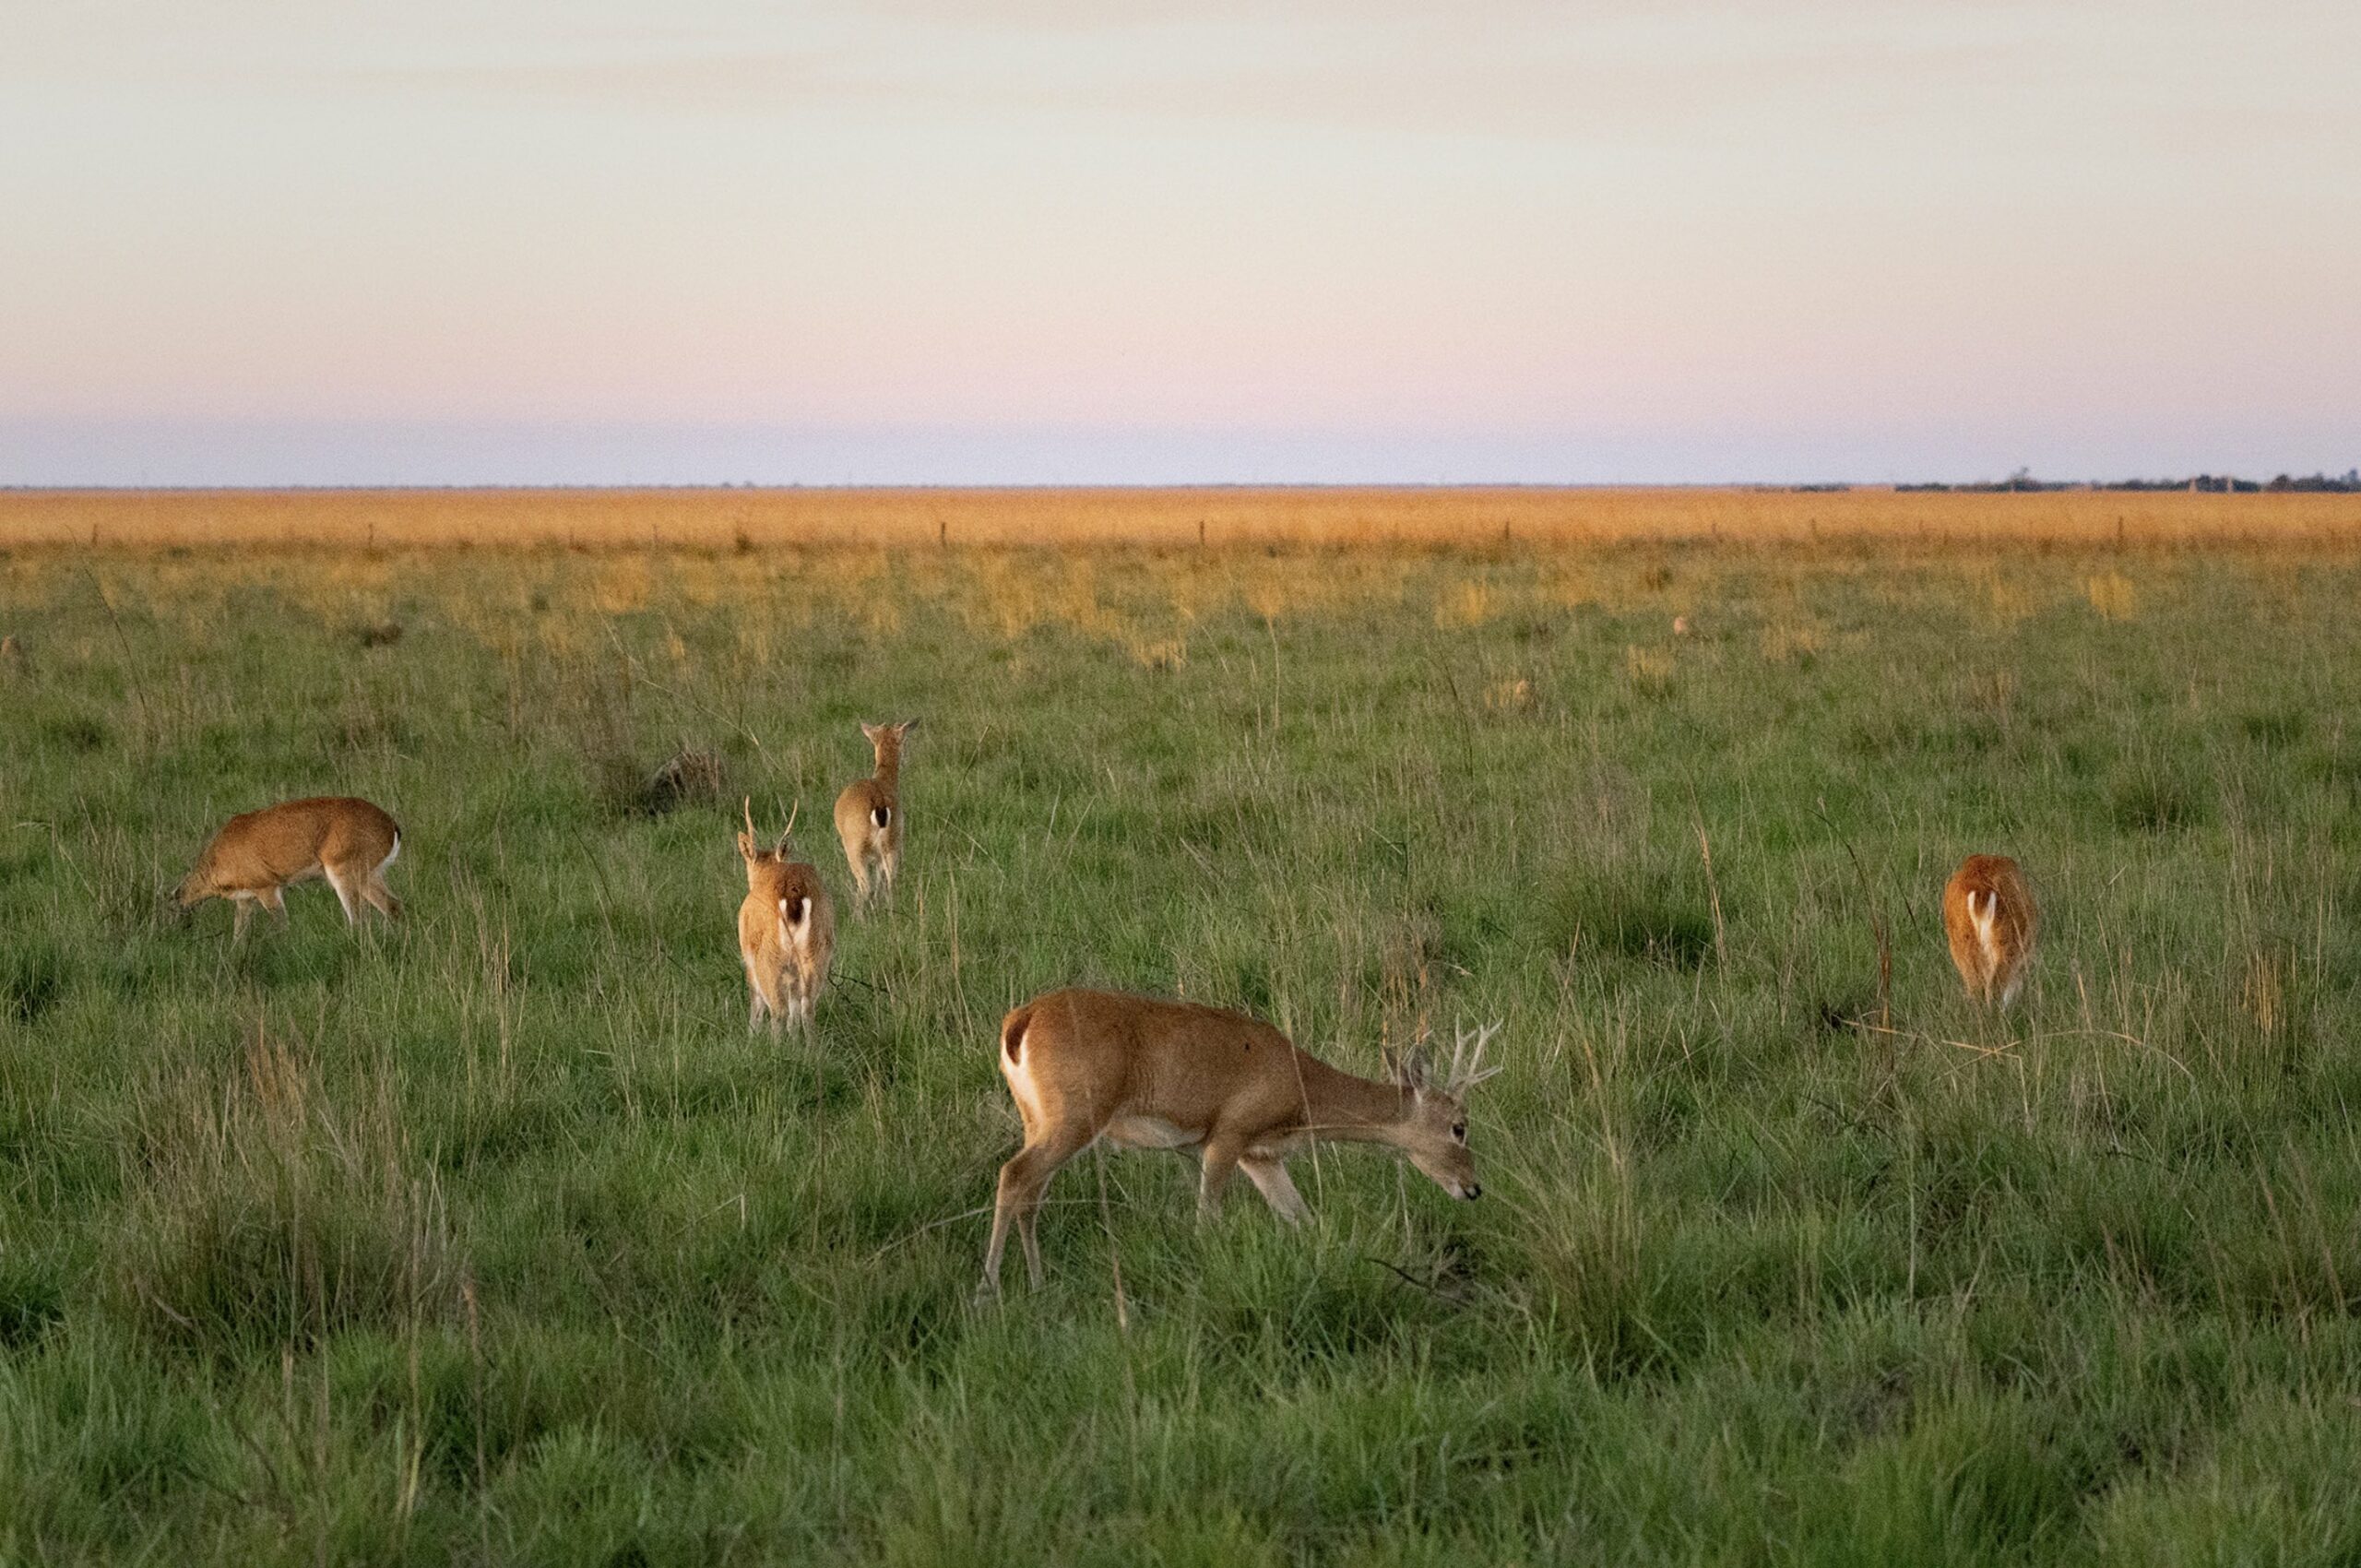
[(1011, 1033)]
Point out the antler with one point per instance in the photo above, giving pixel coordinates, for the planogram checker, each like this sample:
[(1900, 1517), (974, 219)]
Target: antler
[(793, 812), (1467, 1068)]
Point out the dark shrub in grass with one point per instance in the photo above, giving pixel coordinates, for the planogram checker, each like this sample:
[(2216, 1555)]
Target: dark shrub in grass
[(32, 982), (268, 1215), (2156, 798), (28, 1304), (2276, 728), (1653, 908)]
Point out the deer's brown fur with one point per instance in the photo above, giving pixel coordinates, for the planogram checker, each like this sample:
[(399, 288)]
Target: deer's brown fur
[(787, 931), (258, 855), (1141, 1072), (1991, 918), (869, 814)]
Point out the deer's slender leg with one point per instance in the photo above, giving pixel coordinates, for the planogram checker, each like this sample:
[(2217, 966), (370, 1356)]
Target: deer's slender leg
[(1219, 1163), (342, 882), (1022, 1181), (1271, 1179), (763, 1005), (381, 897)]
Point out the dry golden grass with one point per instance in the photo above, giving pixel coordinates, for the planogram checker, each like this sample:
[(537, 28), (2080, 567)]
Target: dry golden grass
[(721, 520)]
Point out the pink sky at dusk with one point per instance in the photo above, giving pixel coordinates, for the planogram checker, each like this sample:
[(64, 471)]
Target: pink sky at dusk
[(929, 242)]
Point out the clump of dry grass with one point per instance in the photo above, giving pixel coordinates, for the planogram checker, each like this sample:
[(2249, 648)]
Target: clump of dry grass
[(1790, 642), (2263, 989), (1160, 653), (1514, 695), (1992, 692), (1649, 670), (1470, 603), (2112, 595), (267, 1212)]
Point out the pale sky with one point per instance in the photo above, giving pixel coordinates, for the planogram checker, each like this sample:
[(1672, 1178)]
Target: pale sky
[(1043, 240)]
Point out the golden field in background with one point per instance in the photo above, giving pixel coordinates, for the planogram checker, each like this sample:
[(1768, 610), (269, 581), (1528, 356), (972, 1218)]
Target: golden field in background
[(727, 519)]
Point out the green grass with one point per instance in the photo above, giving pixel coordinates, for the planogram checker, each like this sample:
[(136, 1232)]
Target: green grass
[(493, 1236)]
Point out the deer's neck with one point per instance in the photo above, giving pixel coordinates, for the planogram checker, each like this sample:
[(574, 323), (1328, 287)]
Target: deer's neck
[(889, 765), (1339, 1105)]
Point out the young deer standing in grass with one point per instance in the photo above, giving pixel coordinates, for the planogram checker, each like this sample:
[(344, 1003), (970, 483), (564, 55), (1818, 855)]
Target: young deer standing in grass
[(869, 814), (785, 931), (1991, 918), (256, 857), (1139, 1073)]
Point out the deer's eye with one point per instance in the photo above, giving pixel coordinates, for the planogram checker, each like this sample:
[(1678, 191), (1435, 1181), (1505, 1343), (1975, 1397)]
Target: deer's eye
[(1459, 1131)]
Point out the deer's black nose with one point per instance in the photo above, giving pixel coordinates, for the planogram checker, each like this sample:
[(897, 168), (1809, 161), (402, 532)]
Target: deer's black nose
[(1473, 1192)]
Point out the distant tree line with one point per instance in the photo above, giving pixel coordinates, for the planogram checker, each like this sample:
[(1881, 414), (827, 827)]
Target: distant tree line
[(2347, 482)]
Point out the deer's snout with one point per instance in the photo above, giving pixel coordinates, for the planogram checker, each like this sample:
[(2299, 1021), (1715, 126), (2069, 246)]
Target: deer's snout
[(1451, 1169)]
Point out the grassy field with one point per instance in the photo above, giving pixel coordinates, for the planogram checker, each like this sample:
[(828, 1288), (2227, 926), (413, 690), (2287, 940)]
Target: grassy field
[(494, 1237)]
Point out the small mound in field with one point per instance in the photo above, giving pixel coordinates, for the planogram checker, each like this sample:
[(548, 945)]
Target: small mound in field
[(1657, 912), (32, 982), (2154, 800), (75, 732), (2276, 728), (690, 777)]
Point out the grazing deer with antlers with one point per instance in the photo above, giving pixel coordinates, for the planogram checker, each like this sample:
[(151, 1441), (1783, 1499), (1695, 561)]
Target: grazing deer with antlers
[(1991, 918), (257, 856), (786, 932), (1087, 1065), (869, 813)]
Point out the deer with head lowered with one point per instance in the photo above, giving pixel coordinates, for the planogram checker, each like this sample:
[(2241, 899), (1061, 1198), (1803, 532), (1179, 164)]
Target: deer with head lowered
[(258, 855), (1991, 918), (869, 813), (1140, 1072), (786, 932)]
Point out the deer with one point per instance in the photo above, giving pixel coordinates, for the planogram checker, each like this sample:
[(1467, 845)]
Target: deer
[(869, 813), (1136, 1072), (786, 932), (1991, 918), (257, 856)]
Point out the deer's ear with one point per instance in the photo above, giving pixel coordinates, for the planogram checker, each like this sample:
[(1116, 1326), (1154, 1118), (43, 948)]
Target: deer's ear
[(745, 846), (871, 731), (906, 725), (781, 850)]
